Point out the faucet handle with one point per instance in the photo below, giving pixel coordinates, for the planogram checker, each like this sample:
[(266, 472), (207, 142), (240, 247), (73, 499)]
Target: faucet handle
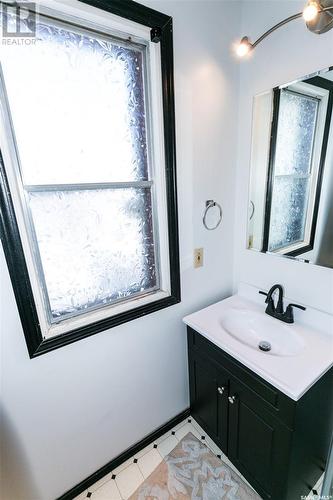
[(264, 293), (289, 314), (298, 306)]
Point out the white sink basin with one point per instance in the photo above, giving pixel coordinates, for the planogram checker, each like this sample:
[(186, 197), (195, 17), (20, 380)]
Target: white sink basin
[(252, 328), (299, 355)]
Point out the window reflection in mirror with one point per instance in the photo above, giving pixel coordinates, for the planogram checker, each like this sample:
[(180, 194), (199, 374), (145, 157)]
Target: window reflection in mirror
[(291, 183)]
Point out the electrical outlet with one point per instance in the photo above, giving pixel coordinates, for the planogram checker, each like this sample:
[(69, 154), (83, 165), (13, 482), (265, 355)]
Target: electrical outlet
[(198, 257)]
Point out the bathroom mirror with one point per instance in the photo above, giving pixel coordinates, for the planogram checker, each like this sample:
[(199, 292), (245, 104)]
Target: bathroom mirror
[(291, 182)]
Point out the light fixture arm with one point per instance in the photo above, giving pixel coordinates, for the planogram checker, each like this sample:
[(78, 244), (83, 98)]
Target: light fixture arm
[(282, 23), (277, 26)]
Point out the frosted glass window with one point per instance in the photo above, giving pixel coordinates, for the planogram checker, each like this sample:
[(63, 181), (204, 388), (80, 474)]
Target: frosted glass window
[(296, 133), (80, 113), (78, 107), (96, 246), (292, 168), (288, 213), (88, 192)]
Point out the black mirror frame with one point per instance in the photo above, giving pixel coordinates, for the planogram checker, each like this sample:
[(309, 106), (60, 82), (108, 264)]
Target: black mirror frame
[(161, 32), (325, 84)]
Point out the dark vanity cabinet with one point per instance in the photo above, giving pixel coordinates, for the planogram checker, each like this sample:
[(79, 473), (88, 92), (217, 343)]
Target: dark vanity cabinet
[(279, 445), (208, 401)]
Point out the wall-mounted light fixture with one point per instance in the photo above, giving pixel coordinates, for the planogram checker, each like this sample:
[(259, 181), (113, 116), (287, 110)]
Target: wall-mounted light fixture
[(317, 14)]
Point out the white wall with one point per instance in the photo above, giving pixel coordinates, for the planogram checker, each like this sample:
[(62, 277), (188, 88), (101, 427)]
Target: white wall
[(286, 55), (69, 412)]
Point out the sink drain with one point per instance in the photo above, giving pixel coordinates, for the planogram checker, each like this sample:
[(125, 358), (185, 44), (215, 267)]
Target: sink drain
[(264, 346)]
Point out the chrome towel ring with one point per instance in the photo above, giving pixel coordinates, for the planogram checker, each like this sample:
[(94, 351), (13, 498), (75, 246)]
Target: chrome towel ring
[(210, 204), (252, 210)]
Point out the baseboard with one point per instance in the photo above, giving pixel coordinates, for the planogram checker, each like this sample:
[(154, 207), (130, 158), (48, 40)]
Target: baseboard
[(115, 462)]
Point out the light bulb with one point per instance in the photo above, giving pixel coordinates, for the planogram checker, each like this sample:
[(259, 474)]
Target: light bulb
[(243, 47), (311, 11)]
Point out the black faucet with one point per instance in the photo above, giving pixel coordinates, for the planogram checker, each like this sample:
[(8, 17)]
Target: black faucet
[(277, 311)]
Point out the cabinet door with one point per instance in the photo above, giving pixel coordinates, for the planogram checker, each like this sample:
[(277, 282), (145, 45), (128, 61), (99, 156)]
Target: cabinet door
[(258, 443), (208, 393), (222, 410)]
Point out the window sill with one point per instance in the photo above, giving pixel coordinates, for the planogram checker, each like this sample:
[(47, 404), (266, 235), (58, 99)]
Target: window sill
[(103, 313), (160, 300), (294, 250)]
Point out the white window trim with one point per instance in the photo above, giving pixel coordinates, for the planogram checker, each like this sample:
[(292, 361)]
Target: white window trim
[(90, 17)]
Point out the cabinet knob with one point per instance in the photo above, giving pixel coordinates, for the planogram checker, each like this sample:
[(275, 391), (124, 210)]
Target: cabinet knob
[(220, 390), (232, 399)]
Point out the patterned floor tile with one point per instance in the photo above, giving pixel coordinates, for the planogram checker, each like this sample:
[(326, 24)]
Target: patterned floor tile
[(123, 466), (180, 425), (129, 480), (144, 450), (130, 474), (99, 483), (185, 430), (149, 462), (167, 445), (109, 491), (81, 496)]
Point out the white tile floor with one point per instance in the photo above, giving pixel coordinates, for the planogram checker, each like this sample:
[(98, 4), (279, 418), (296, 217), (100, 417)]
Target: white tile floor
[(121, 483)]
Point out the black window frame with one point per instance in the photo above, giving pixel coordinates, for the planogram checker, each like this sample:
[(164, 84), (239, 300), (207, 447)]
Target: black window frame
[(161, 32), (318, 82)]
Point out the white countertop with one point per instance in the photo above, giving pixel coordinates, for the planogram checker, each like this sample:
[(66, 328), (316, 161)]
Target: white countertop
[(292, 375)]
